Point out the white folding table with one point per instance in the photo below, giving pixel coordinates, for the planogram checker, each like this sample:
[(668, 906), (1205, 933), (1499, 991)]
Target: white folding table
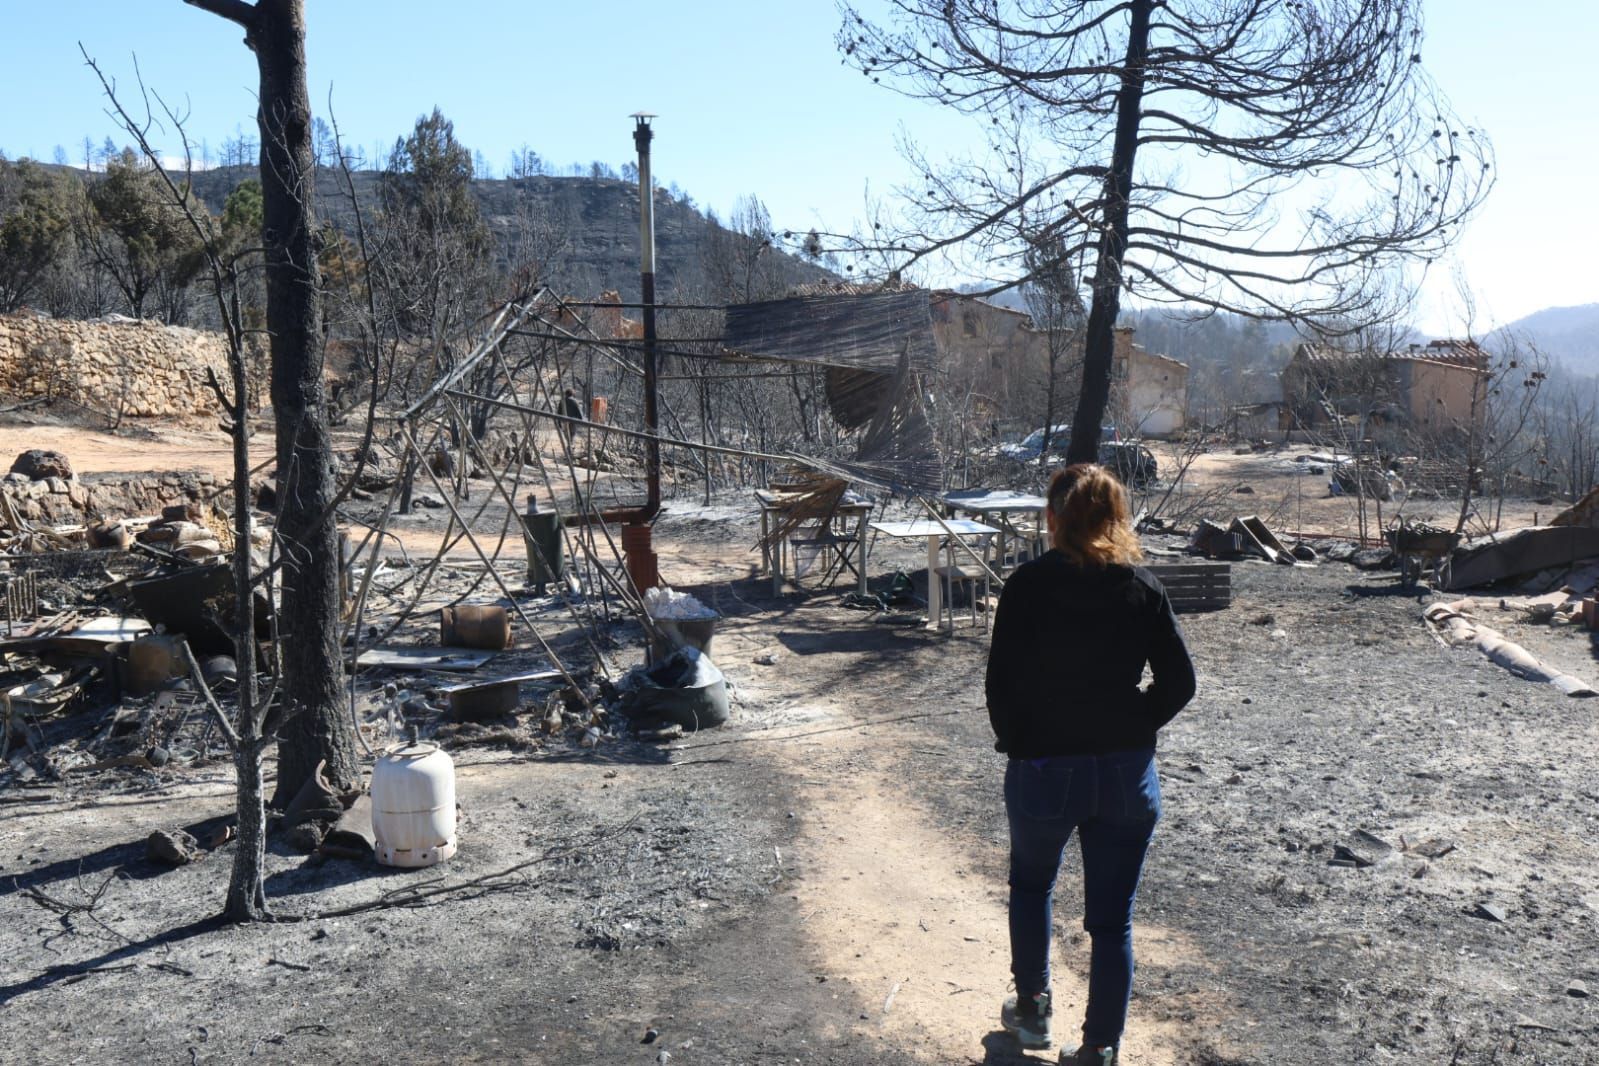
[(934, 532), (1001, 503)]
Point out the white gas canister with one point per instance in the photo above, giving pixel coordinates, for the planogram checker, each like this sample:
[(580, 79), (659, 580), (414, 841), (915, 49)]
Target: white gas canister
[(413, 806)]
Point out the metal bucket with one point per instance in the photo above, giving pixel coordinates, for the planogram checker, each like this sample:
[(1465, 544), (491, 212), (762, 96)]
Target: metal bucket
[(686, 688), (674, 633)]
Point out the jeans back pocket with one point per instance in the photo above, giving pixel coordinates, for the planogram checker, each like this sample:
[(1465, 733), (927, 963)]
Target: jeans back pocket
[(1041, 791)]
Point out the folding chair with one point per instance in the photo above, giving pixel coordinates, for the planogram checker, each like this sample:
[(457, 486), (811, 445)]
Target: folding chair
[(834, 538)]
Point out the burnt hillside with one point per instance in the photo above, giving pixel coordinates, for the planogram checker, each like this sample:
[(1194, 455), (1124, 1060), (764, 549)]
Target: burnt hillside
[(590, 225)]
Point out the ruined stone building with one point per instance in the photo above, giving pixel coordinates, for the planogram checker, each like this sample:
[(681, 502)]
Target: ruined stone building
[(1149, 392), (994, 367), (1005, 361), (1436, 388)]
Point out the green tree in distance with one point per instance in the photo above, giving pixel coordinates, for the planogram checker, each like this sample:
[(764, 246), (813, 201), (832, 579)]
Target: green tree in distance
[(35, 229)]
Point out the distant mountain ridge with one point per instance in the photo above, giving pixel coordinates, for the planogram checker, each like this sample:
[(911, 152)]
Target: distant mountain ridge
[(1567, 335)]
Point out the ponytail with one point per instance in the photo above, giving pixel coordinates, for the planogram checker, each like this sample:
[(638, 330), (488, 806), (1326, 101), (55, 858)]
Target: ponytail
[(1093, 525)]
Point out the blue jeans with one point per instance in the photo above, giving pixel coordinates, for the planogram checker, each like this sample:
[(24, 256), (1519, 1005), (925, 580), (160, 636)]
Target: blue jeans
[(1113, 802)]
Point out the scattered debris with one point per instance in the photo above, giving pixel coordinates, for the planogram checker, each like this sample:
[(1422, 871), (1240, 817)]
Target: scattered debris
[(398, 658), (1493, 912), (1364, 849), (1352, 478), (351, 837), (485, 701), (1457, 628), (317, 801), (1519, 552), (1245, 535), (1432, 848)]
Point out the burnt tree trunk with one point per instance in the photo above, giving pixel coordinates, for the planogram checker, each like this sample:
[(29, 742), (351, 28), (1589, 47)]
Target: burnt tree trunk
[(315, 726), (1099, 346)]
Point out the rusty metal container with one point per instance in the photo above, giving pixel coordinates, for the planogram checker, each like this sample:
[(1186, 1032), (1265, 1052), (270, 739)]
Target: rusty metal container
[(641, 561), (484, 626), (153, 660)]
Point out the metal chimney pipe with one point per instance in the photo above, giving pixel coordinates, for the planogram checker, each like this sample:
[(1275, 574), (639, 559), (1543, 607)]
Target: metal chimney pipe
[(642, 134)]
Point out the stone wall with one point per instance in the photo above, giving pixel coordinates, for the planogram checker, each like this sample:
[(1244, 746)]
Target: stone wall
[(60, 501), (113, 367)]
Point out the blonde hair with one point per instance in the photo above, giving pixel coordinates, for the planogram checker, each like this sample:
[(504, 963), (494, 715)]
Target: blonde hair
[(1093, 526)]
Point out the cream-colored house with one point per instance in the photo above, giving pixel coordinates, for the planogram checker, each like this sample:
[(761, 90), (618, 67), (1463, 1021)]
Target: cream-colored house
[(1149, 392)]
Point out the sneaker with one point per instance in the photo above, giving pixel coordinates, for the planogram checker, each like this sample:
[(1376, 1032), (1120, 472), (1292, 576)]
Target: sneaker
[(1087, 1056), (1028, 1019)]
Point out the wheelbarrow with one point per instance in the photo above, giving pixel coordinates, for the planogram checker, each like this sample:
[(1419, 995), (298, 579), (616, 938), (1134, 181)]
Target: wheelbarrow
[(1420, 547)]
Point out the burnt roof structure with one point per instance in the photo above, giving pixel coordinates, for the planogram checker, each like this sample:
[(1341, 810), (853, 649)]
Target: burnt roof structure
[(875, 347), (851, 330)]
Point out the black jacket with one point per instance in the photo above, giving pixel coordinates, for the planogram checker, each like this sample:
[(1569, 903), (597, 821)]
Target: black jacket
[(1069, 648)]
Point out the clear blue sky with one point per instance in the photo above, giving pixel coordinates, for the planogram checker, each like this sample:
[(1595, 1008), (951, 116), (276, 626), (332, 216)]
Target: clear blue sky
[(752, 99)]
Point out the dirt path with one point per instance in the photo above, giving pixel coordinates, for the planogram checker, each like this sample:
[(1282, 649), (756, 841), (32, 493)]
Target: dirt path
[(910, 917), (901, 908), (165, 447)]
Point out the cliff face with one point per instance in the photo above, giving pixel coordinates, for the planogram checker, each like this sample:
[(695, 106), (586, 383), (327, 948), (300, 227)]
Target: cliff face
[(114, 366), (589, 226)]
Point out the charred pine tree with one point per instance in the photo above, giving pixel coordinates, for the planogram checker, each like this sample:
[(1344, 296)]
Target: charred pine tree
[(316, 728), (1279, 159)]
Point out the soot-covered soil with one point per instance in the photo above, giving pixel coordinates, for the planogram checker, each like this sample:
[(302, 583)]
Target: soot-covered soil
[(821, 881)]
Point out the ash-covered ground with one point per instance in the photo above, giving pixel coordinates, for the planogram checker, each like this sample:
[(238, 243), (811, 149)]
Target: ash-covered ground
[(1375, 849)]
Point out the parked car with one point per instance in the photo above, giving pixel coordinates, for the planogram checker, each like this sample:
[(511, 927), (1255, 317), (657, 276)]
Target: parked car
[(1130, 461), (1059, 437), (1364, 478)]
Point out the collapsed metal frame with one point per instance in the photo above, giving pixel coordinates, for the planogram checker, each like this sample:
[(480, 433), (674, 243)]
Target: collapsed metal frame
[(585, 529)]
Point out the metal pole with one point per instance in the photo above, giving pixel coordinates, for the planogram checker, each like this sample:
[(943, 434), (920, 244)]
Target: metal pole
[(642, 134)]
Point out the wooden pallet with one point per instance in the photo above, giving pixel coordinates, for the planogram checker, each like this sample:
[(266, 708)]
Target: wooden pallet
[(1195, 586)]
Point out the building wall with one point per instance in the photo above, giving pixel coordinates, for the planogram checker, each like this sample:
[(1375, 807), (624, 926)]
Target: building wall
[(1439, 395), (1151, 390), (1433, 394), (138, 369), (995, 352)]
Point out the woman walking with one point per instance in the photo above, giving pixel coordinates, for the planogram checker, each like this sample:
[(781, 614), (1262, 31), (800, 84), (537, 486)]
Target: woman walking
[(1073, 632)]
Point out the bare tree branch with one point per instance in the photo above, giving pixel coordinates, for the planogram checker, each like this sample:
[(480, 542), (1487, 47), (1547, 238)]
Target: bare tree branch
[(232, 10)]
